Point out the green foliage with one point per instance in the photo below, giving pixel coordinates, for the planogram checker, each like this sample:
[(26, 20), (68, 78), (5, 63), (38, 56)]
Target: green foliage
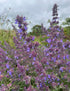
[(31, 74), (36, 30), (21, 85), (67, 32), (7, 36), (42, 40), (67, 21), (49, 21), (38, 39), (34, 74), (33, 82), (5, 80)]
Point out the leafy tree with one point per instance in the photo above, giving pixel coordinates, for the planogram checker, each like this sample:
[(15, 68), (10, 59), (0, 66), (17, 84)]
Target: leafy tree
[(67, 21), (67, 32), (36, 30), (67, 28)]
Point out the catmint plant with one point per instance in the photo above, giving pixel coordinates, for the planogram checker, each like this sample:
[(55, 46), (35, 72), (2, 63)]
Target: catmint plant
[(31, 68)]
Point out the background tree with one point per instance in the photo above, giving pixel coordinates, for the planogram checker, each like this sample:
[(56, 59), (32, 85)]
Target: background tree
[(67, 28), (67, 21), (36, 30)]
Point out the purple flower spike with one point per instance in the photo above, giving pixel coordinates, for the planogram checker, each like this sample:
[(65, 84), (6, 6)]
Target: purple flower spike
[(20, 37), (0, 72), (47, 63), (64, 57), (61, 69), (69, 46), (58, 79), (54, 60), (16, 22), (33, 63), (50, 28), (6, 57), (19, 25), (34, 58), (58, 83), (16, 57), (61, 40), (25, 27), (68, 63), (19, 75), (58, 56), (25, 42), (41, 74), (9, 73), (48, 40), (19, 31), (15, 52), (6, 52), (45, 78), (7, 66), (48, 35), (33, 38), (67, 56), (51, 46), (40, 84), (58, 29), (24, 18), (49, 76), (28, 49), (30, 55)]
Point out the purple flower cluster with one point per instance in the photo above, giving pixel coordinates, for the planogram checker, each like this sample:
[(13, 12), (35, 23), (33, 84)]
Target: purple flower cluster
[(51, 64)]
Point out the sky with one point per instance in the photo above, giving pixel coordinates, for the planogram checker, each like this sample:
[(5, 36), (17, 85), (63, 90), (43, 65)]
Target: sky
[(36, 11)]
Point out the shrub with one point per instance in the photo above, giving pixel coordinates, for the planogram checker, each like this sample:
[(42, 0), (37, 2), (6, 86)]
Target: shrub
[(36, 30), (67, 32)]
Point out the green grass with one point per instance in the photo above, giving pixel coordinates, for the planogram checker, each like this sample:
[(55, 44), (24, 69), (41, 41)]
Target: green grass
[(8, 36)]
